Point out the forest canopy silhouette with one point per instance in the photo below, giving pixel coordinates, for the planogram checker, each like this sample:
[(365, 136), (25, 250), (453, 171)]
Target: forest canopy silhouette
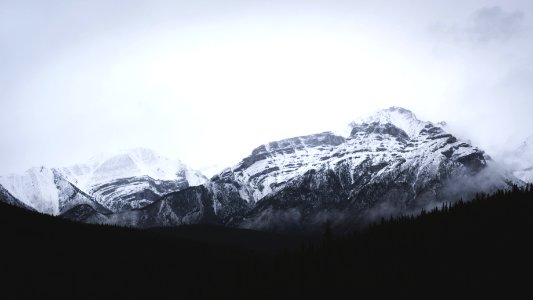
[(476, 246)]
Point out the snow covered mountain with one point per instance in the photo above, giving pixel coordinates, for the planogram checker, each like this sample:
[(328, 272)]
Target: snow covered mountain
[(388, 163), (131, 179), (390, 140), (189, 206), (47, 191), (107, 183), (6, 197)]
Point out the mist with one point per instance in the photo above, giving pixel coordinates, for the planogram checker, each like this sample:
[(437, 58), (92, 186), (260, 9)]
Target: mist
[(207, 82)]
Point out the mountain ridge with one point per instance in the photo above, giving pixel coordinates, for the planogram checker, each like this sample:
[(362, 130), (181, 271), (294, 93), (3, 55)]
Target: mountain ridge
[(390, 163), (109, 183)]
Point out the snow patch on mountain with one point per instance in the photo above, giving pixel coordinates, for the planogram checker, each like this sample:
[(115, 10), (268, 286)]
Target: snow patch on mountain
[(397, 116), (46, 191), (391, 140), (35, 187), (125, 180), (131, 179), (6, 197), (130, 163), (273, 164), (388, 163)]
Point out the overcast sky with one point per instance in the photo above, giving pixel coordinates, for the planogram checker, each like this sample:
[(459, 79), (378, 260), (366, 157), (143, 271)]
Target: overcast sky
[(206, 81)]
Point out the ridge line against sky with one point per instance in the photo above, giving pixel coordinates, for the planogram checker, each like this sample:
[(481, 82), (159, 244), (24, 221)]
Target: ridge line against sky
[(207, 82)]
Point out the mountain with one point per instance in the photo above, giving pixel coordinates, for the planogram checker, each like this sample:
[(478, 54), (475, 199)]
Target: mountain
[(190, 206), (521, 160), (132, 179), (46, 190), (107, 183), (389, 163), (6, 197)]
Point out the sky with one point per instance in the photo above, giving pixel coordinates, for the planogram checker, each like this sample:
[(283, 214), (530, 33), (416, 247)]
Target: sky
[(207, 81)]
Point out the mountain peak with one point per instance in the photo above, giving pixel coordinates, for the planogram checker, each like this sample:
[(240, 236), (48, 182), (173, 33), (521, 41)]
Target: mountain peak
[(133, 162), (118, 180), (400, 117), (393, 115), (400, 110)]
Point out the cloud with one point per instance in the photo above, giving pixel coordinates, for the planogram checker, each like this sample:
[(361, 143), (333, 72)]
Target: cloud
[(485, 25), (81, 77), (495, 24)]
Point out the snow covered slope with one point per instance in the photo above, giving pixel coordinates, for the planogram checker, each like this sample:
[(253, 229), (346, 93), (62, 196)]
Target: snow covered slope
[(47, 191), (36, 188), (388, 163), (189, 206), (6, 197), (391, 139), (136, 162), (132, 179), (119, 181)]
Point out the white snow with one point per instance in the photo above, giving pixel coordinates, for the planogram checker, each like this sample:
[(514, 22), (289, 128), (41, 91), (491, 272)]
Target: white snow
[(288, 159), (35, 187), (130, 163), (282, 162), (399, 117), (39, 188)]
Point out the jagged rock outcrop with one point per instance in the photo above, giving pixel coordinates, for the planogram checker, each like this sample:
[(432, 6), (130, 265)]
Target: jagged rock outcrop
[(389, 163), (108, 183)]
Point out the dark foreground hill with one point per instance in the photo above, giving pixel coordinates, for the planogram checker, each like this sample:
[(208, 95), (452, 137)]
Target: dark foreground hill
[(475, 248)]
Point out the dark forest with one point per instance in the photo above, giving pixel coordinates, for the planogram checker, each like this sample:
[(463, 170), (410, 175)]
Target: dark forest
[(476, 247)]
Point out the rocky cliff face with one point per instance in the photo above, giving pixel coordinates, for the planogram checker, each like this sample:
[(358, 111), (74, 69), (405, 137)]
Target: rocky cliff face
[(388, 163), (107, 183)]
